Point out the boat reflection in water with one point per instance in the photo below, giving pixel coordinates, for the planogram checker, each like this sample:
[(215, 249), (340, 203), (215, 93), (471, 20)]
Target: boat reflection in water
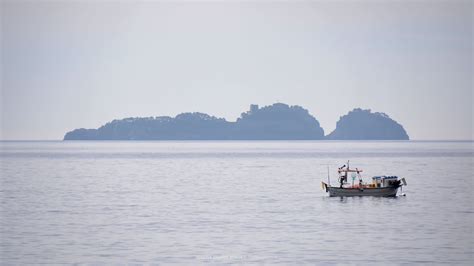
[(381, 186)]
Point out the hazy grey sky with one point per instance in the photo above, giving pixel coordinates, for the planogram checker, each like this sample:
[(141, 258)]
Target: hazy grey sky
[(76, 64)]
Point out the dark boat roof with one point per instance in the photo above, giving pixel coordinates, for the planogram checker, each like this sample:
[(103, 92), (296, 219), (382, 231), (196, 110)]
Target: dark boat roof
[(385, 177)]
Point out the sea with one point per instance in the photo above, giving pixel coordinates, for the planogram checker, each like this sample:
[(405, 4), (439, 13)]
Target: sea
[(232, 202)]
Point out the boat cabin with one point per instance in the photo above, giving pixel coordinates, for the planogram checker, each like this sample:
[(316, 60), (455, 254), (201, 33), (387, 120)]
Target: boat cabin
[(384, 181)]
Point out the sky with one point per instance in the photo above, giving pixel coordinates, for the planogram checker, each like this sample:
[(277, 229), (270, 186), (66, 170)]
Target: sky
[(80, 64)]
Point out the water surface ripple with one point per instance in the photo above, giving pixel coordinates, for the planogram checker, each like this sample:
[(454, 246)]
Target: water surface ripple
[(231, 202)]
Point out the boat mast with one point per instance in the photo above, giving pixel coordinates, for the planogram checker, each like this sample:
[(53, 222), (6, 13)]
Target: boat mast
[(347, 169), (329, 180)]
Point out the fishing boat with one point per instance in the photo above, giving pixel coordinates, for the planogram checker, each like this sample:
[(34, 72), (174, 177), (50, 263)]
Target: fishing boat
[(381, 186)]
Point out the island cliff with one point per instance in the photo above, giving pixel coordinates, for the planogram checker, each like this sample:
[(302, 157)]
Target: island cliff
[(275, 122), (361, 124)]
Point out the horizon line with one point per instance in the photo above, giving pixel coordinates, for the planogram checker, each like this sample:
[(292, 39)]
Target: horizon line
[(242, 140)]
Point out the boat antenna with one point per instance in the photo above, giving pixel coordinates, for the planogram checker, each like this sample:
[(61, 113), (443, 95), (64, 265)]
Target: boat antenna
[(347, 169), (329, 180)]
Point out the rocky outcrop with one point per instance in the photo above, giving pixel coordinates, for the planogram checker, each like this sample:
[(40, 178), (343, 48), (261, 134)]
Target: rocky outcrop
[(361, 124)]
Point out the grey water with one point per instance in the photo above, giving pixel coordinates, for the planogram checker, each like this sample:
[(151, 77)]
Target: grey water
[(248, 202)]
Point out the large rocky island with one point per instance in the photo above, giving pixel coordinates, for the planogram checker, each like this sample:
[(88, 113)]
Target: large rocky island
[(361, 124), (275, 122)]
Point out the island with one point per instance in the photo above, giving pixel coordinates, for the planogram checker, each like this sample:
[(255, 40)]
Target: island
[(278, 121), (361, 124), (275, 122)]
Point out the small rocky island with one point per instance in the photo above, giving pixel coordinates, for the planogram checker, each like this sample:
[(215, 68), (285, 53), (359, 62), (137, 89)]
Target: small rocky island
[(275, 122), (361, 124)]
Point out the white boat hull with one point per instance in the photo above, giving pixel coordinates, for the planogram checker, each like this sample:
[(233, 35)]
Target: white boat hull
[(357, 192)]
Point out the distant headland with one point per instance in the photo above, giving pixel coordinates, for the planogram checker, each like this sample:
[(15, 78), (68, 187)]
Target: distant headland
[(275, 122)]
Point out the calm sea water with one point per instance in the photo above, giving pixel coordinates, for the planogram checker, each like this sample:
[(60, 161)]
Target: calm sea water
[(232, 202)]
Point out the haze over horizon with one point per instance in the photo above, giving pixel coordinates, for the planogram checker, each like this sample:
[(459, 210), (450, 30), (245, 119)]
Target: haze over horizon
[(67, 65)]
